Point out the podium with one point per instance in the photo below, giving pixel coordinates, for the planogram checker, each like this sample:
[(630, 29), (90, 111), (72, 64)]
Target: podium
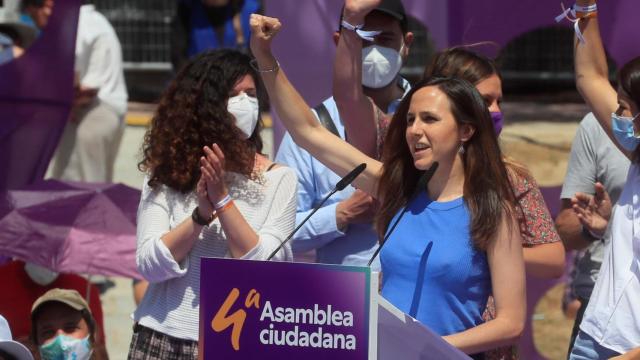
[(278, 310)]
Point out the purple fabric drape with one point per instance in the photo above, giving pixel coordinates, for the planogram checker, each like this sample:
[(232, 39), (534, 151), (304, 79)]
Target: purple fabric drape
[(36, 91)]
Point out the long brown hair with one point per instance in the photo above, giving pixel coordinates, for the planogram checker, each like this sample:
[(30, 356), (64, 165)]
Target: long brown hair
[(193, 113), (487, 191), (460, 62)]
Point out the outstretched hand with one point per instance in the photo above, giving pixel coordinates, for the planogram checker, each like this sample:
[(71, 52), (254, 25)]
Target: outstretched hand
[(263, 31), (593, 211), (212, 168)]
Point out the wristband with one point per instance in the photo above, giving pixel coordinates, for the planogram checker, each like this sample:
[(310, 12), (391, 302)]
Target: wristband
[(585, 9), (578, 12), (254, 65), (198, 219), (225, 207), (220, 204), (363, 34)]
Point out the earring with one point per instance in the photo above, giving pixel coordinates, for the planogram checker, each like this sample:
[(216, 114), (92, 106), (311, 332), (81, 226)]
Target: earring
[(461, 149)]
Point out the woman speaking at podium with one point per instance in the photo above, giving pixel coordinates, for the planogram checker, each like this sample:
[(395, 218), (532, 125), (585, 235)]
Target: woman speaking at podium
[(208, 192), (459, 240)]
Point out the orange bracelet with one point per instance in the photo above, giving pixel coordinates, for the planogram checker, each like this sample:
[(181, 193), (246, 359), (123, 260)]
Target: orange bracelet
[(225, 207), (588, 15)]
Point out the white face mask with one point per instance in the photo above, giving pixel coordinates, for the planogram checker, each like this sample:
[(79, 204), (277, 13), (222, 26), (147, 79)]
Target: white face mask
[(39, 274), (245, 109), (380, 65)]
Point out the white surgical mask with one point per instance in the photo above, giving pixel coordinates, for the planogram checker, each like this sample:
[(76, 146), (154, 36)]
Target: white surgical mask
[(40, 275), (245, 109), (380, 65)]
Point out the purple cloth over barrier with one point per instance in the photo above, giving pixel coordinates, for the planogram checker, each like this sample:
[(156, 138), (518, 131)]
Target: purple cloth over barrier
[(72, 227), (36, 92)]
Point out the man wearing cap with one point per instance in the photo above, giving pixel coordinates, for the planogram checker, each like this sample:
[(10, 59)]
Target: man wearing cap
[(9, 349), (342, 232), (23, 283), (63, 327)]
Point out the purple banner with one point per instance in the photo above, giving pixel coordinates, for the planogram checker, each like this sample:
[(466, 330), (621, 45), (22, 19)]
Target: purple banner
[(278, 310)]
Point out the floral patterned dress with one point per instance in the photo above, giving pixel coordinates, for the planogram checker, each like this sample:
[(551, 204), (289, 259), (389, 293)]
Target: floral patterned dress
[(536, 227)]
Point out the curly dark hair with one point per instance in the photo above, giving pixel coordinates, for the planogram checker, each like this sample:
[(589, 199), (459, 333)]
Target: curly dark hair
[(192, 113)]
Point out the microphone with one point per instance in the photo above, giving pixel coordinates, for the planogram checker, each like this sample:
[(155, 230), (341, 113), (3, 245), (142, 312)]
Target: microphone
[(422, 183), (346, 180)]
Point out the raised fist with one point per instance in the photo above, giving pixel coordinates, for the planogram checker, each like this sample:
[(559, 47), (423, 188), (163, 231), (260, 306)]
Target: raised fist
[(263, 30)]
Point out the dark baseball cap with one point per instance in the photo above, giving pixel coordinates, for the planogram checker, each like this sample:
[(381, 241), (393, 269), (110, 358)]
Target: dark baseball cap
[(395, 9)]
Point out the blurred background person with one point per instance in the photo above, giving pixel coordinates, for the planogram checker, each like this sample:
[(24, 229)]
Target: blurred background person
[(201, 25), (15, 36), (90, 142), (62, 327)]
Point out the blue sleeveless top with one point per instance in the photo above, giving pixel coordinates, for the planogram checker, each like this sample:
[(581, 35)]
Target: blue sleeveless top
[(430, 269), (203, 36)]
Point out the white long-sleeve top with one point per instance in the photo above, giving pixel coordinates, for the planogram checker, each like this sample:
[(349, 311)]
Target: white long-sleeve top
[(171, 303)]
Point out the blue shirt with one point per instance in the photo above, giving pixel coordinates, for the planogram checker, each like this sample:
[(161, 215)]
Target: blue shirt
[(203, 36), (430, 269), (315, 181), (6, 49)]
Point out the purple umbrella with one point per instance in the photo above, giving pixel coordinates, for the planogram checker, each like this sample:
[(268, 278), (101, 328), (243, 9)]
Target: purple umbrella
[(74, 227)]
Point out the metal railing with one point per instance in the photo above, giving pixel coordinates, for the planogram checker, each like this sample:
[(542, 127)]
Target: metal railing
[(541, 55), (144, 28)]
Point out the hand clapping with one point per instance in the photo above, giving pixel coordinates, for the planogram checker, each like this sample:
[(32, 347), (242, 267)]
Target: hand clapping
[(212, 168)]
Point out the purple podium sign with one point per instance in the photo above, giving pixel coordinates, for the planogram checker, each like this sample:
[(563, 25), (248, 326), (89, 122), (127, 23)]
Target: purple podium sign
[(277, 310)]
